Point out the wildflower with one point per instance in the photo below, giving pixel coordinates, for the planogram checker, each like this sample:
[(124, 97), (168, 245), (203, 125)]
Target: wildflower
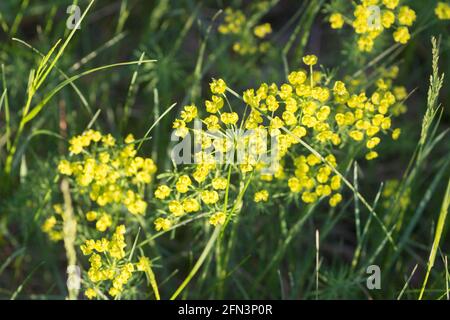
[(183, 183), (180, 128), (104, 222), (371, 155), (91, 216), (310, 60), (162, 224), (129, 139), (396, 133), (335, 199), (373, 142), (143, 264), (297, 77), (391, 4), (209, 197), (368, 30), (191, 205), (262, 30), (406, 16), (49, 224), (234, 19), (189, 113), (442, 11), (261, 196), (387, 19), (65, 168), (176, 208), (229, 117), (402, 35), (335, 183), (356, 135), (214, 105), (108, 140), (219, 183), (217, 218), (218, 86), (162, 192), (90, 293), (336, 21)]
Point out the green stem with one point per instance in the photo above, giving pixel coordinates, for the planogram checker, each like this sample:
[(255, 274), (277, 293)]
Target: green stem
[(199, 262)]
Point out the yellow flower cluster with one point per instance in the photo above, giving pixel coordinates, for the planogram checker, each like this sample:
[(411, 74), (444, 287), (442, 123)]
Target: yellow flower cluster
[(442, 11), (261, 31), (313, 179), (373, 17), (246, 42), (186, 196), (233, 22), (330, 116), (110, 174), (108, 264), (261, 196)]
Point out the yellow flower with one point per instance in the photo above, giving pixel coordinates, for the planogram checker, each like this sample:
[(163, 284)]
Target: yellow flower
[(214, 105), (183, 184), (49, 224), (391, 4), (108, 140), (218, 86), (176, 208), (387, 19), (212, 123), (335, 199), (113, 291), (335, 183), (129, 139), (365, 44), (234, 19), (442, 11), (396, 133), (180, 128), (297, 77), (262, 30), (58, 209), (138, 206), (91, 216), (336, 20), (229, 117), (219, 183), (162, 192), (104, 222), (143, 264), (294, 184), (90, 293), (217, 218), (339, 88), (209, 197), (191, 205), (371, 155), (162, 224), (309, 197), (261, 196), (64, 167), (310, 60), (189, 113), (373, 142), (356, 135), (406, 16)]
